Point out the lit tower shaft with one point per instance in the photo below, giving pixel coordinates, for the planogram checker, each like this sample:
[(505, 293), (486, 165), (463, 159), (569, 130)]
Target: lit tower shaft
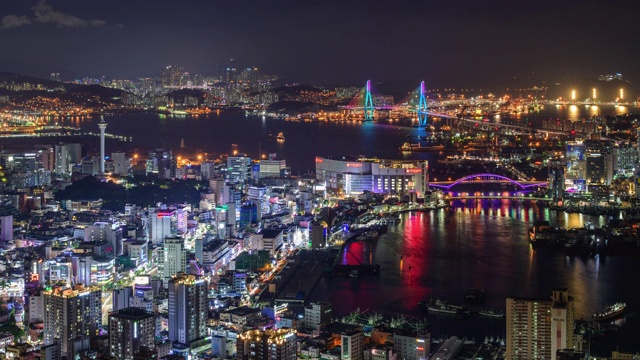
[(422, 106), (368, 103), (103, 126)]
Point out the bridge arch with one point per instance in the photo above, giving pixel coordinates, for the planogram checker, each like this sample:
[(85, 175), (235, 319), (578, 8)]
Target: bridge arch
[(488, 178)]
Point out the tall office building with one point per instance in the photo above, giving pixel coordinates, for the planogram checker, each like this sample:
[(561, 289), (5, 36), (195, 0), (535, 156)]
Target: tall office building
[(278, 344), (130, 329), (599, 161), (258, 196), (73, 316), (175, 257), (556, 181), (104, 231), (161, 224), (188, 309), (120, 163), (75, 153), (6, 227), (271, 167), (238, 169), (62, 160), (538, 328)]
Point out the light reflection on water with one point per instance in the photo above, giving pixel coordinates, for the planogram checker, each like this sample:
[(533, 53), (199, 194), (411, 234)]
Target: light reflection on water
[(481, 245)]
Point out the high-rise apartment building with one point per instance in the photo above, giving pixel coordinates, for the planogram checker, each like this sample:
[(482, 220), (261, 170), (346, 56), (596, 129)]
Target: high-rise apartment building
[(173, 76), (538, 328), (73, 316), (188, 309), (278, 344), (175, 257), (352, 345), (562, 321), (130, 329)]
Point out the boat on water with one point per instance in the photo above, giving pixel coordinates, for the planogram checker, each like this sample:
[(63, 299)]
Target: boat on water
[(610, 312), (280, 137), (443, 308), (491, 313), (408, 147)]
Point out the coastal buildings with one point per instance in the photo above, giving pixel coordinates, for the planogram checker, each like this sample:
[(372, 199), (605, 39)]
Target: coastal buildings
[(351, 176)]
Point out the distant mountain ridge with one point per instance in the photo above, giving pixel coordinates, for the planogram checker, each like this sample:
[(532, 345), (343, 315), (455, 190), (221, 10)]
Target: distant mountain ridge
[(51, 88)]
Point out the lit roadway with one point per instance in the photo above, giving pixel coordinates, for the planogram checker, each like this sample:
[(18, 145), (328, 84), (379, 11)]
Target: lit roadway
[(107, 297)]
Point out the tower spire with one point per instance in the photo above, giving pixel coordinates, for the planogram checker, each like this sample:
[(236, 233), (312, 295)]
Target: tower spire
[(422, 106), (368, 103), (102, 125)]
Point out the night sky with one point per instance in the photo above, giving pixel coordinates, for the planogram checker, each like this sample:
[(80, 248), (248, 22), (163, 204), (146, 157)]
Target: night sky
[(446, 43)]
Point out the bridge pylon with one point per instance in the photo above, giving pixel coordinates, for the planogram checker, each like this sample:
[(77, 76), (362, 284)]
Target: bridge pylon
[(368, 103), (422, 106)]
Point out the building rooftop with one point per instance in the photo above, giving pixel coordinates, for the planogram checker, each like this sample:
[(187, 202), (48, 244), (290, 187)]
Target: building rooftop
[(132, 313)]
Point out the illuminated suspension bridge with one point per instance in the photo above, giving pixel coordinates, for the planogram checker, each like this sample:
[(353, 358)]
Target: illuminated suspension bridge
[(365, 102)]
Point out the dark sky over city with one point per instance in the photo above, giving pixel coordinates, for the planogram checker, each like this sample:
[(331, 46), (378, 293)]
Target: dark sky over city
[(446, 43)]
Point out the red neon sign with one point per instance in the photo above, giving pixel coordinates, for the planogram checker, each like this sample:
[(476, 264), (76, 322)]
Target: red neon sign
[(354, 165)]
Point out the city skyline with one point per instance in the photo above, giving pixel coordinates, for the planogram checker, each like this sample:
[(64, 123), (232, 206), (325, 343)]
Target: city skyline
[(344, 42)]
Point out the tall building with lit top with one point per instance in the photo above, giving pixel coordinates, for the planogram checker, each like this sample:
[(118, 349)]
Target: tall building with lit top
[(162, 223), (73, 316), (188, 310), (130, 329), (278, 344)]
